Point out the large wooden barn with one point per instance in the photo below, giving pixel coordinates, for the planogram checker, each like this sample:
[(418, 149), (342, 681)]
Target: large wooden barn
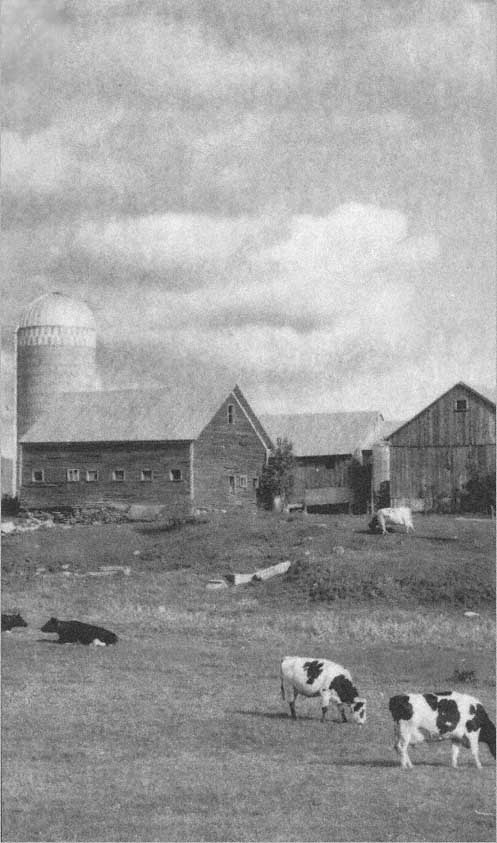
[(437, 453), (334, 457), (185, 451)]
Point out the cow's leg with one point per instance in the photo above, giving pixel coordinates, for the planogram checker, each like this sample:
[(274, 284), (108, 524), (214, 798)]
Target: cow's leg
[(291, 697), (341, 709), (325, 701), (401, 744), (473, 745), (383, 525), (289, 694), (405, 761), (456, 747)]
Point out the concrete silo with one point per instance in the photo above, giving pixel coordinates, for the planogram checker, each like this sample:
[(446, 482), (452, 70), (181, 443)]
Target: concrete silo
[(56, 352)]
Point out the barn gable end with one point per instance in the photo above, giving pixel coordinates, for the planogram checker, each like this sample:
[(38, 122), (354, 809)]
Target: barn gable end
[(435, 454), (229, 455)]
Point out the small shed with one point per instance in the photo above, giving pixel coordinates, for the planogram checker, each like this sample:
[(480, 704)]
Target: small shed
[(334, 457), (443, 452)]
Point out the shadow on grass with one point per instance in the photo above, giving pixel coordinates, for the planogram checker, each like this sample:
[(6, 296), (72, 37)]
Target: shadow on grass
[(375, 762), (273, 715), (390, 531), (282, 715), (381, 762), (439, 539), (375, 534)]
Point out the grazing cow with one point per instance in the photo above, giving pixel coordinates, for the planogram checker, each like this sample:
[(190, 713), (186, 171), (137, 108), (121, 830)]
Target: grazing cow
[(75, 632), (321, 678), (445, 714), (400, 516), (10, 621)]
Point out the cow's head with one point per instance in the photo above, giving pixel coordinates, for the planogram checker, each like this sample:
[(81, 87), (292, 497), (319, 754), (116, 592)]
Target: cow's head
[(374, 525), (10, 621), (17, 620), (358, 709), (50, 626)]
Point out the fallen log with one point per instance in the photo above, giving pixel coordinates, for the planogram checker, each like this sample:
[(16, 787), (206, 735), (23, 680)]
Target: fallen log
[(260, 575)]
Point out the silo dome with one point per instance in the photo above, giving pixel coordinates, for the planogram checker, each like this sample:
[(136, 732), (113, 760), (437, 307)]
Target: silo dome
[(56, 353), (57, 309)]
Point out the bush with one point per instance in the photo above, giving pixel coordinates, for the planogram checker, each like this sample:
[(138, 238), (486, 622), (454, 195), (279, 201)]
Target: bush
[(10, 505), (277, 476), (479, 493)]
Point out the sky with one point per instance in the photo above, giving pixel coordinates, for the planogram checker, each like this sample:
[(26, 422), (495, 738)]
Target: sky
[(295, 195)]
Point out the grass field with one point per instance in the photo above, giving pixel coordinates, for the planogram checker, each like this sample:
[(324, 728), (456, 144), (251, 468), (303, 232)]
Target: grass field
[(179, 732)]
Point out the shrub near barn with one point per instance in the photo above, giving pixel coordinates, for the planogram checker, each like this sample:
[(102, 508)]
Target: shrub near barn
[(277, 478)]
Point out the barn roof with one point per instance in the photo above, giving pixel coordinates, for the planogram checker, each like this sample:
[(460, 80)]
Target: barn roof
[(320, 434), (133, 415), (459, 385)]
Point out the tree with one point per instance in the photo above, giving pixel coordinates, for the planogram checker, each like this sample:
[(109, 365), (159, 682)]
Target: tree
[(479, 493), (277, 476)]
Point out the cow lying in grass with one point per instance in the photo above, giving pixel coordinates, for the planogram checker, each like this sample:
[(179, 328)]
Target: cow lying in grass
[(321, 678), (400, 516), (446, 714), (11, 621), (75, 632)]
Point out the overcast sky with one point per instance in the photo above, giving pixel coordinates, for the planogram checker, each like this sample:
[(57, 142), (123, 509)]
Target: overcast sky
[(297, 195)]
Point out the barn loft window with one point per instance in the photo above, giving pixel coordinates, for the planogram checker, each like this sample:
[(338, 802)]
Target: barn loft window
[(91, 476), (118, 475), (175, 475), (38, 475), (255, 482), (231, 414), (231, 482), (242, 481), (461, 405), (146, 475), (72, 475)]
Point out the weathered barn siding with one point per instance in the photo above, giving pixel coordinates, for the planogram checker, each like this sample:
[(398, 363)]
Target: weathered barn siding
[(197, 450), (227, 450), (433, 456), (161, 458)]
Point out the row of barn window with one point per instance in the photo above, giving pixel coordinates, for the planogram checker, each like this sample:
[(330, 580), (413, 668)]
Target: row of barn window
[(117, 475)]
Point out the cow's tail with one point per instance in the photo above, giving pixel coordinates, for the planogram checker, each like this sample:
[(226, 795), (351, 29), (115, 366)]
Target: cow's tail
[(281, 682), (487, 732)]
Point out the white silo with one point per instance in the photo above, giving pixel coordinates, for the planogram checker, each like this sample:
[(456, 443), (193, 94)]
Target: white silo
[(56, 352)]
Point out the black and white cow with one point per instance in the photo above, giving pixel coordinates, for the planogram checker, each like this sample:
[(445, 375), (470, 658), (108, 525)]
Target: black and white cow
[(400, 516), (76, 632), (11, 621), (321, 678), (446, 714)]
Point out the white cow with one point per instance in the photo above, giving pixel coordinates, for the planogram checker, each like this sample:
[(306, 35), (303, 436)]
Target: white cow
[(399, 516), (321, 678), (446, 714)]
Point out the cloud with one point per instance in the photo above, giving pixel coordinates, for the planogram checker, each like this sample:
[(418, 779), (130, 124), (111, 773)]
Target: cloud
[(305, 296), (161, 241)]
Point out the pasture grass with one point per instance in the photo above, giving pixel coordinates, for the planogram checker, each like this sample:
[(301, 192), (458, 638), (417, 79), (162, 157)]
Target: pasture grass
[(179, 731)]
